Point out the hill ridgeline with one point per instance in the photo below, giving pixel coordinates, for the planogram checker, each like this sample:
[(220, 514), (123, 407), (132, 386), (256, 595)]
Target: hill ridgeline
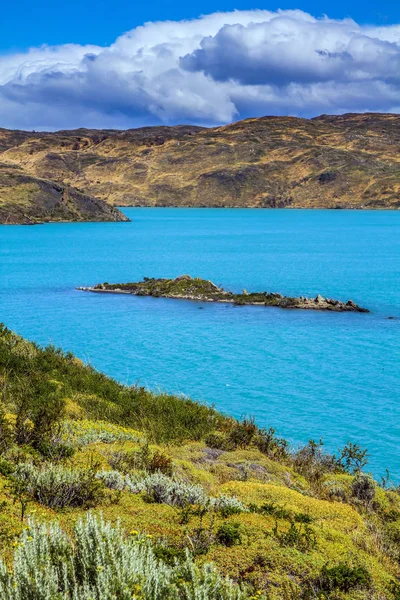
[(347, 161)]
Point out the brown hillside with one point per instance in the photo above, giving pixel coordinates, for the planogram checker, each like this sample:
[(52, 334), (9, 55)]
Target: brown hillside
[(347, 161), (27, 200)]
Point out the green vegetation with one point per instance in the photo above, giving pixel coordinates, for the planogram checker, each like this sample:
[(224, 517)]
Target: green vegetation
[(110, 492), (188, 288)]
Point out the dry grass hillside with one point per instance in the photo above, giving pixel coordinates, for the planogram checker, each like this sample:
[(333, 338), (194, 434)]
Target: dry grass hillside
[(348, 161)]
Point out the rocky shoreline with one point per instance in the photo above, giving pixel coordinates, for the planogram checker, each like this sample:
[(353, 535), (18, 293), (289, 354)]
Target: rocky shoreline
[(202, 290)]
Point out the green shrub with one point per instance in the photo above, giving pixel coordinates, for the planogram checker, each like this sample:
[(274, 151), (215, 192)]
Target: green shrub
[(55, 449), (300, 536), (363, 488), (344, 578), (228, 534), (219, 441), (313, 462), (353, 458), (39, 408), (6, 467), (169, 554), (39, 379), (242, 433), (160, 463), (267, 442), (144, 459)]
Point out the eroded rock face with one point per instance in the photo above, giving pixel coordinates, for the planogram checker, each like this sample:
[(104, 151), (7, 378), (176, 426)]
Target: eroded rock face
[(189, 288)]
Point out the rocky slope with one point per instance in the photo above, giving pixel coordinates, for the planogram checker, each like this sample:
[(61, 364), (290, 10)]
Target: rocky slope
[(348, 161), (202, 290), (25, 199)]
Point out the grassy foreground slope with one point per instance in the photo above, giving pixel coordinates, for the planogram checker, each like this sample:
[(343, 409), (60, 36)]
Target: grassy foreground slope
[(345, 161), (112, 492)]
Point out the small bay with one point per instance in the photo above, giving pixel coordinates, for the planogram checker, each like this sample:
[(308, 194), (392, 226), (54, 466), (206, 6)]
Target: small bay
[(308, 374)]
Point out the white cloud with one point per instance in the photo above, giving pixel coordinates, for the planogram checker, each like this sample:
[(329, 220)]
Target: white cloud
[(208, 70)]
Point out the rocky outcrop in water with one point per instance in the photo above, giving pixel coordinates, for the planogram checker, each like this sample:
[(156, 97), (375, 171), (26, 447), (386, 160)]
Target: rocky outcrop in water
[(203, 290)]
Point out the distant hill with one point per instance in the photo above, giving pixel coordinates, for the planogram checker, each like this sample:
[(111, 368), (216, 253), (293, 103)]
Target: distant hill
[(347, 161), (26, 199)]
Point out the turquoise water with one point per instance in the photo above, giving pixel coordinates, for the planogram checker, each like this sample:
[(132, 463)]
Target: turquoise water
[(308, 374)]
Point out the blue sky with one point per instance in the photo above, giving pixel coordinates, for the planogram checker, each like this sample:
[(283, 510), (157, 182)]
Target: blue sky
[(120, 64), (27, 23)]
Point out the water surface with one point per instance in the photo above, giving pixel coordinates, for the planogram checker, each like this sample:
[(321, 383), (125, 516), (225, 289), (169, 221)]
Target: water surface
[(308, 374)]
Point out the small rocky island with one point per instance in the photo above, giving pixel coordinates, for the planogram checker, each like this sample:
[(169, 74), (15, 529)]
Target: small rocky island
[(194, 288)]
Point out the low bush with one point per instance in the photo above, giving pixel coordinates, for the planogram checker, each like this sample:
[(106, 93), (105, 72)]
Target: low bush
[(313, 462), (58, 487), (227, 505), (113, 480), (219, 441), (242, 433), (162, 489), (344, 578), (228, 534), (143, 459), (274, 447), (352, 458), (6, 467), (102, 563), (160, 463), (169, 554), (300, 536), (363, 488), (55, 448)]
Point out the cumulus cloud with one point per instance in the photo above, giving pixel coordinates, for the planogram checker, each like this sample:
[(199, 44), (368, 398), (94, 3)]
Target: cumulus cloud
[(209, 70)]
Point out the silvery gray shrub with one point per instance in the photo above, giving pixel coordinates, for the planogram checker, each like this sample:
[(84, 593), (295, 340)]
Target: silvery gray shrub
[(114, 480), (168, 490), (57, 486), (103, 564)]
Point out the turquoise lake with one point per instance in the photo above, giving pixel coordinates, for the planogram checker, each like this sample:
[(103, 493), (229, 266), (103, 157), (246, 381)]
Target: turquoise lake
[(308, 374)]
